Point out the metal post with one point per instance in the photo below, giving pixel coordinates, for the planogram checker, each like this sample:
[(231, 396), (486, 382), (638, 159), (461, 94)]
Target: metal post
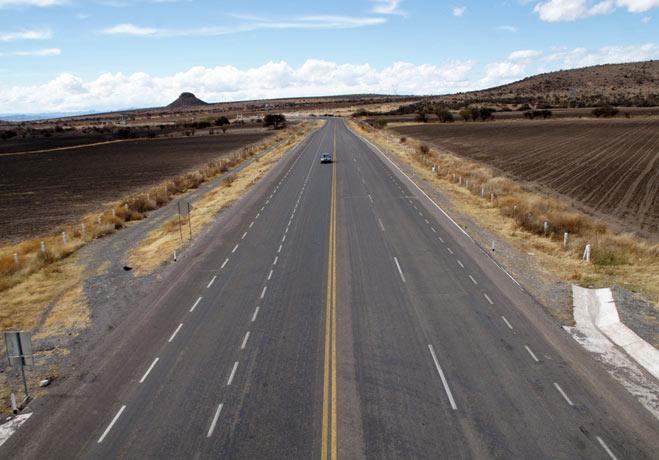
[(21, 363), (179, 221), (190, 219)]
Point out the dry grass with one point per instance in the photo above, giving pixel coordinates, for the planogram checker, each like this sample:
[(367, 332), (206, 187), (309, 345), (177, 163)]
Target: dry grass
[(506, 207), (159, 245), (32, 259)]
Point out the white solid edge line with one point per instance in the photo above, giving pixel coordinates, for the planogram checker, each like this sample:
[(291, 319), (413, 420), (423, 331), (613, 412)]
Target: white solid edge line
[(535, 358), (242, 346), (441, 375), (226, 261), (399, 270), (175, 332), (148, 371), (233, 373), (234, 248), (195, 304), (488, 298), (214, 422), (265, 288), (210, 283), (473, 280), (510, 326), (606, 448), (560, 390), (256, 312), (114, 420)]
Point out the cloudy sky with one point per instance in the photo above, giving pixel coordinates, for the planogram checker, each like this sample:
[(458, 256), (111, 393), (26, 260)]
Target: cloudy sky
[(80, 55)]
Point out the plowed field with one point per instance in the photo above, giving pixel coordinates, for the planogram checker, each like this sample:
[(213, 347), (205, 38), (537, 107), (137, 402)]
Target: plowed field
[(609, 167), (41, 191)]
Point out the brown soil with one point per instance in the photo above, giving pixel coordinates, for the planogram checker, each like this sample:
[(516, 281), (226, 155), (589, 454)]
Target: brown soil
[(609, 167), (42, 191)]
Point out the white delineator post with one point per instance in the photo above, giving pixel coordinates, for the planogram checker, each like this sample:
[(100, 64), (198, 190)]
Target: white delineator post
[(82, 229), (98, 220), (65, 239), (492, 198), (586, 253), (174, 255), (545, 227), (43, 248), (482, 191), (565, 240), (114, 214), (17, 262)]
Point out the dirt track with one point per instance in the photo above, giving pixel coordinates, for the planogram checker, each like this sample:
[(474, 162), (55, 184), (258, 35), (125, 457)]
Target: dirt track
[(608, 166), (41, 191)]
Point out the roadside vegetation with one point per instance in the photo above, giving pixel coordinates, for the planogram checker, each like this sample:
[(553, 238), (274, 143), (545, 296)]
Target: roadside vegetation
[(533, 221)]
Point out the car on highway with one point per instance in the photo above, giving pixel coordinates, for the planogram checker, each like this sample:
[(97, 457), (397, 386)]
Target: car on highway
[(326, 158)]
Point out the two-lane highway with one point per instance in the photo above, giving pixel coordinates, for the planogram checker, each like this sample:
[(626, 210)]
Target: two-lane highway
[(337, 313)]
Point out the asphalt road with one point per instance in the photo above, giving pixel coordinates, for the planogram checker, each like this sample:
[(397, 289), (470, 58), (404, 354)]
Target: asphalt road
[(338, 313)]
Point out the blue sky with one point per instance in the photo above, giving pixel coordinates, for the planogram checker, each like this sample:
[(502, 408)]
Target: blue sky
[(68, 55)]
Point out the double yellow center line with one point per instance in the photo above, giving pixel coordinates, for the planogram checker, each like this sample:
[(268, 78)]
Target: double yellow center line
[(329, 385)]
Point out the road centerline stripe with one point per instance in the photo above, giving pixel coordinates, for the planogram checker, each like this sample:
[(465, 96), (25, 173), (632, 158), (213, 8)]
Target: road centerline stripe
[(510, 326), (233, 373), (488, 298), (226, 261), (560, 390), (214, 421), (242, 345), (535, 358), (210, 283), (400, 272)]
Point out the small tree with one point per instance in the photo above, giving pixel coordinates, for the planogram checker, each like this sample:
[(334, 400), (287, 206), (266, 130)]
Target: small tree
[(444, 115), (465, 114), (276, 120), (475, 113), (486, 113), (422, 117), (222, 121)]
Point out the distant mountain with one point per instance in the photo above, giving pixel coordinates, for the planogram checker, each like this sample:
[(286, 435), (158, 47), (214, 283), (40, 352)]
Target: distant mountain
[(631, 84), (186, 100)]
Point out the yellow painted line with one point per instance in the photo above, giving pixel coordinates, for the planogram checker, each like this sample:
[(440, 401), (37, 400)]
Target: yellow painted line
[(329, 379)]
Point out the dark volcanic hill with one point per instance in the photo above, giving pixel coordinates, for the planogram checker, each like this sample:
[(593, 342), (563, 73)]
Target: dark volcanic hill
[(630, 84), (186, 100)]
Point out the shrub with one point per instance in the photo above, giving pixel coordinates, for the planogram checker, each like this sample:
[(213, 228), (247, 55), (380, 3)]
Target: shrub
[(465, 114), (421, 117), (423, 150), (380, 123), (605, 111), (606, 256), (8, 134), (403, 139), (230, 179), (221, 121), (486, 113)]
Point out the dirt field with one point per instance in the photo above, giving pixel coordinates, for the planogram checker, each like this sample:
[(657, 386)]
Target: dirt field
[(609, 167), (41, 191)]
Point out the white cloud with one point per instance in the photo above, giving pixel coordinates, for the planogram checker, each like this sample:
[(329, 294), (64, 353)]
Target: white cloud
[(498, 73), (9, 3), (571, 10), (508, 28), (387, 7), (524, 54), (581, 57), (459, 11), (37, 53), (129, 29), (315, 77), (252, 23), (25, 34), (646, 19)]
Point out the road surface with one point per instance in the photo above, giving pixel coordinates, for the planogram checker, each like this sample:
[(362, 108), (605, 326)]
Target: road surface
[(338, 313)]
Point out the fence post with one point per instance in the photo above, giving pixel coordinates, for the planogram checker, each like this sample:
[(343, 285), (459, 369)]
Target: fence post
[(65, 239), (586, 253), (565, 240)]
